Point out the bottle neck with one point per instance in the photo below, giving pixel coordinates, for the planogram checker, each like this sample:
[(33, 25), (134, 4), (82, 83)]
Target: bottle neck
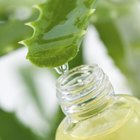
[(84, 91)]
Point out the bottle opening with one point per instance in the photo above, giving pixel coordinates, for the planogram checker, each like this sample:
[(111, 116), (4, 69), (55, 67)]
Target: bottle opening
[(79, 76)]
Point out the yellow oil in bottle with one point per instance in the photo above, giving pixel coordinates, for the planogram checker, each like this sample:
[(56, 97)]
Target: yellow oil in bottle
[(121, 121), (102, 117)]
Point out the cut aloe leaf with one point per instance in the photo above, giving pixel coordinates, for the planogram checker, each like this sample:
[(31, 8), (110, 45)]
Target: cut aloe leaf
[(58, 31)]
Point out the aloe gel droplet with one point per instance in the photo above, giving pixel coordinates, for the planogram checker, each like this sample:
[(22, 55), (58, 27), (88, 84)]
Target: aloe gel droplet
[(62, 69), (93, 111)]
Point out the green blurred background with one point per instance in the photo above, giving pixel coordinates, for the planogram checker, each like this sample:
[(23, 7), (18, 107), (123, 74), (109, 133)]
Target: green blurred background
[(28, 107)]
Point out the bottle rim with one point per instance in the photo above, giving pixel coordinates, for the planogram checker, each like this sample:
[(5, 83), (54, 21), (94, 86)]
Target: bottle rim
[(85, 70)]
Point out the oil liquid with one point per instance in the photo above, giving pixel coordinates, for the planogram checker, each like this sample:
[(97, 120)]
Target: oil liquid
[(121, 121)]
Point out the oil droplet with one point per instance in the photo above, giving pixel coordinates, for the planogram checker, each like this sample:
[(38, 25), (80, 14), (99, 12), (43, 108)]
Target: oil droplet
[(62, 69)]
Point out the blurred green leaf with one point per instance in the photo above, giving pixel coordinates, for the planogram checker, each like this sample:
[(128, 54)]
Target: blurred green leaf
[(120, 32), (19, 2), (10, 34), (113, 40), (12, 129), (13, 15), (27, 75)]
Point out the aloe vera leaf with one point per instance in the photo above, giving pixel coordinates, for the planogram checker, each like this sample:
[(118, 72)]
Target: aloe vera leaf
[(58, 31)]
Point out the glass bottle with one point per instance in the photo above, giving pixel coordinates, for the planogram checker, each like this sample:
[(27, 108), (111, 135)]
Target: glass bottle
[(93, 111)]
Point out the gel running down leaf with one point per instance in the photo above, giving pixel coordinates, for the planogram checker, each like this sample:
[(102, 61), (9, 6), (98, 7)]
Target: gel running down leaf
[(58, 31)]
